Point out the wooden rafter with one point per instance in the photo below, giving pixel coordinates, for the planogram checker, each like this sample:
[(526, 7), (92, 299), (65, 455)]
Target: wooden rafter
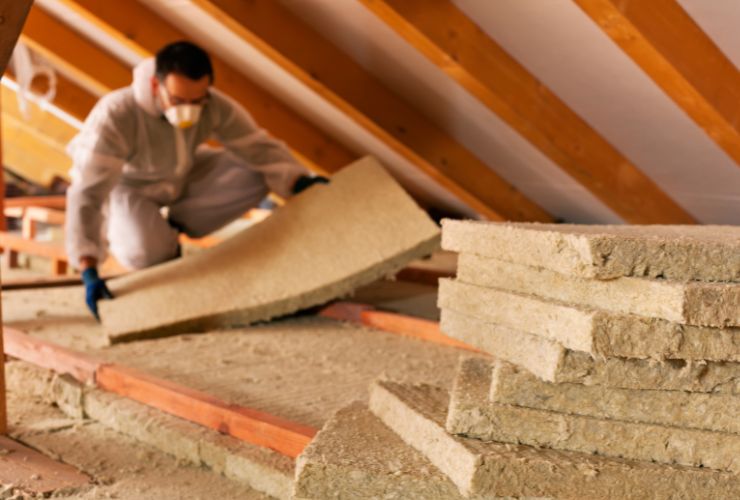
[(73, 55), (663, 39), (331, 73), (136, 25), (448, 38), (34, 145), (70, 97)]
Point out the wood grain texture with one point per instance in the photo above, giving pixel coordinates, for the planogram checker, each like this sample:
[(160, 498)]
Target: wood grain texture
[(250, 425), (332, 74), (453, 42), (49, 355), (663, 39), (12, 16)]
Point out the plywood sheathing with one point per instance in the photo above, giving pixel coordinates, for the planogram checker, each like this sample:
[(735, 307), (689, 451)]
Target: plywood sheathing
[(325, 243), (551, 362), (472, 414), (713, 412), (483, 469), (356, 456), (708, 253), (587, 329)]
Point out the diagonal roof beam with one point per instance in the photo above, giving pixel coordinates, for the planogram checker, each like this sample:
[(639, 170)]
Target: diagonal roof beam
[(34, 146), (448, 38), (137, 26), (74, 55), (69, 96), (663, 39), (317, 63)]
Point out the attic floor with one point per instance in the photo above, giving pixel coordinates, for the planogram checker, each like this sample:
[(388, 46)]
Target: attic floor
[(302, 369)]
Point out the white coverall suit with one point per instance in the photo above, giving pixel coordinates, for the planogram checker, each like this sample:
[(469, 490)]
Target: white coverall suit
[(128, 156)]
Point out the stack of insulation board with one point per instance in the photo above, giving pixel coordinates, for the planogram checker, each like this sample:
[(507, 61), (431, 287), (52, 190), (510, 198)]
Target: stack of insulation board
[(618, 341), (614, 374)]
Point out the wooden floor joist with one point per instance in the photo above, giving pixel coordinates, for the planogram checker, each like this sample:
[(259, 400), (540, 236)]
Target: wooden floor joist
[(400, 324), (13, 244), (246, 424), (49, 355)]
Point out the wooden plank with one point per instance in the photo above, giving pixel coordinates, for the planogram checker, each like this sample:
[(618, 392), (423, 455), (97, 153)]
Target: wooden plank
[(450, 40), (250, 425), (663, 39), (32, 472), (49, 355), (70, 97), (247, 424), (400, 324), (53, 251), (58, 202), (135, 24), (72, 54), (13, 14), (313, 60)]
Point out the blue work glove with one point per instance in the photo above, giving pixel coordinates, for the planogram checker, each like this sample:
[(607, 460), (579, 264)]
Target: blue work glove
[(305, 181), (95, 289)]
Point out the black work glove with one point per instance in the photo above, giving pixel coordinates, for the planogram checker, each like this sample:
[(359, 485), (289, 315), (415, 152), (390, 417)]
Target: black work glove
[(95, 289), (304, 182)]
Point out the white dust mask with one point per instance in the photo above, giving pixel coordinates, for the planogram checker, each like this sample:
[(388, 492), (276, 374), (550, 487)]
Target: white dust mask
[(181, 115)]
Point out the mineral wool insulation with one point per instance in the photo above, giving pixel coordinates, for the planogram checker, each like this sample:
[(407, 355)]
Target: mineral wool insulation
[(321, 245)]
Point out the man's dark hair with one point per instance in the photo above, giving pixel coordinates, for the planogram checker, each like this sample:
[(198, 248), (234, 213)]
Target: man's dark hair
[(184, 58)]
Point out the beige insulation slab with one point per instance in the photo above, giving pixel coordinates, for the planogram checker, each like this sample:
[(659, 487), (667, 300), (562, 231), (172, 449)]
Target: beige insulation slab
[(694, 303), (551, 362), (712, 412), (417, 414), (472, 414), (586, 329), (321, 245), (262, 469), (356, 456), (709, 253)]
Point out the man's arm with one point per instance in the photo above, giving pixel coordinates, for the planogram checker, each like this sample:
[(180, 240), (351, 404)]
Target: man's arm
[(239, 133), (98, 153)]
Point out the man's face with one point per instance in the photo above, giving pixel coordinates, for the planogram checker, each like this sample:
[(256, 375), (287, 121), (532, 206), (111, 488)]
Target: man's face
[(182, 90)]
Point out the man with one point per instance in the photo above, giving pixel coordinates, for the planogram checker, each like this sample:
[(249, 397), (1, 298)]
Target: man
[(140, 154)]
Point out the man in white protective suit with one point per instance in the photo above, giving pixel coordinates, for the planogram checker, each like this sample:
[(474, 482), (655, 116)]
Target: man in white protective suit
[(142, 149)]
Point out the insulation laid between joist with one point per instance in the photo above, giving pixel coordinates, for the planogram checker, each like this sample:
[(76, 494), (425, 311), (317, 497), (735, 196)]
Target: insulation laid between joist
[(708, 253), (693, 303), (323, 244), (588, 329), (493, 469), (356, 456), (551, 362), (472, 414), (693, 410)]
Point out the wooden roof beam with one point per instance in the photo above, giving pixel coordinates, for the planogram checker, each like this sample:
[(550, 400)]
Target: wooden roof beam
[(139, 27), (672, 49), (321, 66), (448, 38), (74, 55), (70, 97), (34, 146)]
